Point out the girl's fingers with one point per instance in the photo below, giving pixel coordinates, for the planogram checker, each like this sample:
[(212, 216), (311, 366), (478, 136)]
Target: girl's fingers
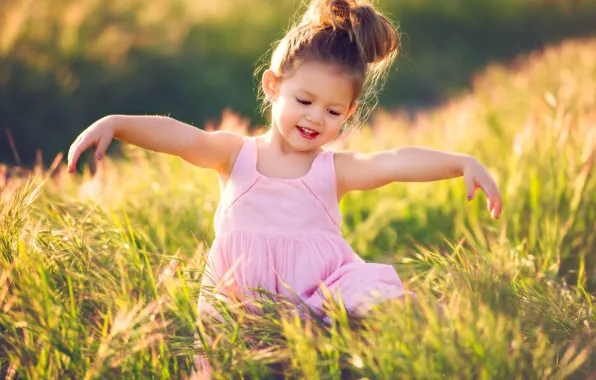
[(71, 151), (488, 186), (102, 146), (491, 207), (72, 162), (77, 149), (470, 186), (495, 204), (497, 207)]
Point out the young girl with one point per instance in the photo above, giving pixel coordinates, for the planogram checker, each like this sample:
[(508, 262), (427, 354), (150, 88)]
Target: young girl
[(278, 222)]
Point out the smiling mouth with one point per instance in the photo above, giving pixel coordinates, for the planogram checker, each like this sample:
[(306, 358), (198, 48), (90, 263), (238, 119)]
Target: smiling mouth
[(307, 133)]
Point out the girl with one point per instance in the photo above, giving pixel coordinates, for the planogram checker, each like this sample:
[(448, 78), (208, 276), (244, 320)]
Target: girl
[(278, 221)]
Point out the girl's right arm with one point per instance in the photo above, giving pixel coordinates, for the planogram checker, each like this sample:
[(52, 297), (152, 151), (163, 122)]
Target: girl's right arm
[(211, 150)]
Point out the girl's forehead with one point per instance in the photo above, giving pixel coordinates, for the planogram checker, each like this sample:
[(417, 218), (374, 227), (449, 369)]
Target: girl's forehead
[(318, 70), (322, 79)]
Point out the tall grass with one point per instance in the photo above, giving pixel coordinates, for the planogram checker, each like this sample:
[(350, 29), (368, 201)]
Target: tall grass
[(100, 273)]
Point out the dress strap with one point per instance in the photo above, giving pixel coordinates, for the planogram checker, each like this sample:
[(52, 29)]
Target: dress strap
[(244, 172), (322, 179), (245, 165)]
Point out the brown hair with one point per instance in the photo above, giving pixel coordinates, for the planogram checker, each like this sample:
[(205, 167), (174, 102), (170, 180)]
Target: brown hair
[(348, 33)]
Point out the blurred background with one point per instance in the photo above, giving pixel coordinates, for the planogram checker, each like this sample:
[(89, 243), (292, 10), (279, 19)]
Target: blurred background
[(66, 63)]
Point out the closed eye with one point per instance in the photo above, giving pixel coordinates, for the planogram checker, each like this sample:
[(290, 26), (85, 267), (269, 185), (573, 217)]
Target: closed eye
[(305, 102)]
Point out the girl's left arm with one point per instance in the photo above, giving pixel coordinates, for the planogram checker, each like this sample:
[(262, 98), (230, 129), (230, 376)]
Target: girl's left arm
[(365, 171)]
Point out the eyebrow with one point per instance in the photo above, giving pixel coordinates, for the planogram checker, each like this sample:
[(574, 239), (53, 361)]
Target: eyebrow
[(314, 96)]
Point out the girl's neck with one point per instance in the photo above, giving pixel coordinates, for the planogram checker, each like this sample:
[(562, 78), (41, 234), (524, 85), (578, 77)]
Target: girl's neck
[(275, 141)]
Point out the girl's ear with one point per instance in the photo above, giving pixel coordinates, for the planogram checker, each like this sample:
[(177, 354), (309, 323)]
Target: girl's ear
[(270, 85), (351, 111)]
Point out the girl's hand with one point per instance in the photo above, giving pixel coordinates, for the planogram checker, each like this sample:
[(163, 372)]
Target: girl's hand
[(476, 176), (99, 134)]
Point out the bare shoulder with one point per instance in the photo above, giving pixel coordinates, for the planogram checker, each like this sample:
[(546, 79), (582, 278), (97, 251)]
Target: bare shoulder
[(230, 143), (362, 171), (226, 140), (343, 158), (215, 150), (344, 164), (346, 159)]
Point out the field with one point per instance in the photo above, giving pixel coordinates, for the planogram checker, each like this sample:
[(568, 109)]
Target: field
[(100, 272)]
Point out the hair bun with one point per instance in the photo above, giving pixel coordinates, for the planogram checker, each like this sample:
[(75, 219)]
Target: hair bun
[(373, 34), (340, 12), (330, 13)]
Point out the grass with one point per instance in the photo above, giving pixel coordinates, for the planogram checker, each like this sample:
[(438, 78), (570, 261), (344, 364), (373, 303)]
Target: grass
[(100, 273)]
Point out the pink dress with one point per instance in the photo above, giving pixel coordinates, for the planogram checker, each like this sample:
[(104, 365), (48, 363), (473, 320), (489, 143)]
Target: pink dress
[(283, 235)]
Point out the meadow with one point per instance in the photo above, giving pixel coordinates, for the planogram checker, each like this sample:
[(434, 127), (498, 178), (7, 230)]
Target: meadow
[(100, 271)]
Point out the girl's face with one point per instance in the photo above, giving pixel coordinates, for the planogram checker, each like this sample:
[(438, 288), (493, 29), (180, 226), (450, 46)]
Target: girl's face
[(310, 106)]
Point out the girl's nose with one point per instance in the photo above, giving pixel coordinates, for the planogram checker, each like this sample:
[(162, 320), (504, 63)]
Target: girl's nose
[(315, 117)]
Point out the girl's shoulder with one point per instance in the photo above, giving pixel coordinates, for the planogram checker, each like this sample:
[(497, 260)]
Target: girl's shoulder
[(347, 164), (233, 144)]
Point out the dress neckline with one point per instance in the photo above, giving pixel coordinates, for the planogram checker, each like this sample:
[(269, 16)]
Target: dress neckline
[(297, 179)]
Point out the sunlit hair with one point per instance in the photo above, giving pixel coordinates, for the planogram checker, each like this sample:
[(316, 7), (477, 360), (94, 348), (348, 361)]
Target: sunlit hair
[(348, 33)]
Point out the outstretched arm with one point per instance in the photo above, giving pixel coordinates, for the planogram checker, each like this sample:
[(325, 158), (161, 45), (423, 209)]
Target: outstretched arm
[(361, 171), (211, 150)]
